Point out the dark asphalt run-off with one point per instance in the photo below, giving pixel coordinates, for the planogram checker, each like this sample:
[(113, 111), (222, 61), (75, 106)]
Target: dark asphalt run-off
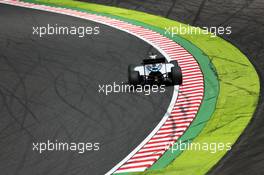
[(49, 91)]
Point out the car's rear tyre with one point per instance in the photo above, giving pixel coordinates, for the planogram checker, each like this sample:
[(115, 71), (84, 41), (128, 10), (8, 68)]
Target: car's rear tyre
[(175, 63), (131, 67), (133, 76), (176, 76)]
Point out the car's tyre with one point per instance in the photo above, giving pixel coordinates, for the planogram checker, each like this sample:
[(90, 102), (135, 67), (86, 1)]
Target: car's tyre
[(133, 76), (175, 63), (176, 76), (131, 67)]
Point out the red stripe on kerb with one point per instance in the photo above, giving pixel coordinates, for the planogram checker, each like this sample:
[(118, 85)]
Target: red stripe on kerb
[(189, 97)]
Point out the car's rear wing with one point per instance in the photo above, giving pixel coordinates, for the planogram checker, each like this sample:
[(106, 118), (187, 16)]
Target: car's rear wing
[(154, 61)]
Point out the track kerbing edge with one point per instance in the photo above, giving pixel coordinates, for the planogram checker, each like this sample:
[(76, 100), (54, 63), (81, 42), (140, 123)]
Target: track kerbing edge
[(181, 112)]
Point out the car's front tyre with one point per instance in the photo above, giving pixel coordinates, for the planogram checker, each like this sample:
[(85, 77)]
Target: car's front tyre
[(133, 76), (175, 63)]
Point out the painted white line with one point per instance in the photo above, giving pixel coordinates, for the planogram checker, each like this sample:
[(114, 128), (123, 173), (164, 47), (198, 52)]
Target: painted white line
[(191, 91)]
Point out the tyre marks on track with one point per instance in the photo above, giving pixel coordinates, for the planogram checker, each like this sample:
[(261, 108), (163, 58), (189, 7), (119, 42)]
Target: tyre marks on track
[(182, 110)]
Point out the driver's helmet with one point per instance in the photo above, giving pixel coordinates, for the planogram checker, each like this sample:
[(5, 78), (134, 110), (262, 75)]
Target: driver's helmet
[(154, 67)]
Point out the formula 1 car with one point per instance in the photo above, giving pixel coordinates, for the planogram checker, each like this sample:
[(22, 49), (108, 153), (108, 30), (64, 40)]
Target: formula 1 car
[(155, 71)]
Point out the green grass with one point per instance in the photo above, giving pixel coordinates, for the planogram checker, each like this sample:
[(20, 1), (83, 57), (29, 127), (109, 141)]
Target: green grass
[(238, 96)]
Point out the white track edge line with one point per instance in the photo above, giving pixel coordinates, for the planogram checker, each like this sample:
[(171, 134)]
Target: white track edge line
[(175, 91)]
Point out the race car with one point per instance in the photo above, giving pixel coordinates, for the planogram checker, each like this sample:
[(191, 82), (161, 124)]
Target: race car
[(155, 71)]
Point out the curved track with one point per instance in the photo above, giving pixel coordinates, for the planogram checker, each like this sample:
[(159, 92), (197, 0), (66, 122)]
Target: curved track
[(49, 90), (246, 20)]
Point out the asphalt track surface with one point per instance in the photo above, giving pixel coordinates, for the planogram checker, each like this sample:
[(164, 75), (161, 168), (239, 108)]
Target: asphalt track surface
[(246, 19), (49, 91)]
